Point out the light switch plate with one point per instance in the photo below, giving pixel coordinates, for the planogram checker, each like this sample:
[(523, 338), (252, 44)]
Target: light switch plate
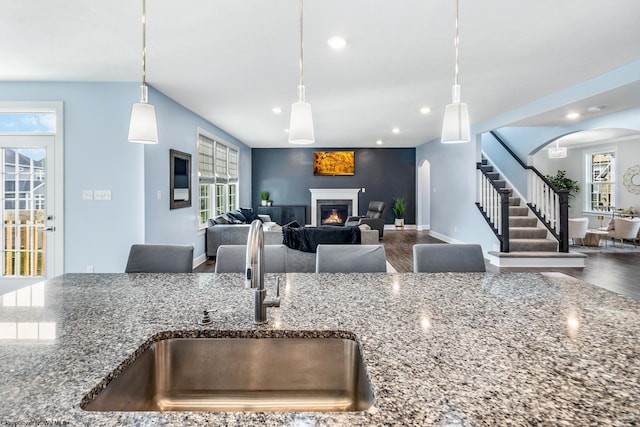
[(102, 195), (87, 194)]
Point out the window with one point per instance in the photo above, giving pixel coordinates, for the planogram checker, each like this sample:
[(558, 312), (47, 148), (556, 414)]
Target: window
[(601, 181), (28, 122), (218, 178)]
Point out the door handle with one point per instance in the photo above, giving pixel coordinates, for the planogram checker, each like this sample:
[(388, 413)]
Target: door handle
[(51, 228)]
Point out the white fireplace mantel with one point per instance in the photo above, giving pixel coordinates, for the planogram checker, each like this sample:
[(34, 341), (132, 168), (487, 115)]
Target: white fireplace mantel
[(332, 194)]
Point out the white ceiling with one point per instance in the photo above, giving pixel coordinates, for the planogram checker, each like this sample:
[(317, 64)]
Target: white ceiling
[(233, 61)]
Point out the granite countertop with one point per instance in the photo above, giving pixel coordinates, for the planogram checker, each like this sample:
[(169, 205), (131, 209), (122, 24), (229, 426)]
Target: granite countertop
[(464, 349)]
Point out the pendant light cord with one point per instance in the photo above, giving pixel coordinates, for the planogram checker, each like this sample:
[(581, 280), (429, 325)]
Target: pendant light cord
[(144, 42), (301, 47), (456, 43)]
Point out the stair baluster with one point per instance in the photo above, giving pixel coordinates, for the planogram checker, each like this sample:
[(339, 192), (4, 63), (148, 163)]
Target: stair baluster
[(494, 206)]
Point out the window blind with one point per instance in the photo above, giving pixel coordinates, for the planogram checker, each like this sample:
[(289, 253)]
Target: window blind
[(206, 172)]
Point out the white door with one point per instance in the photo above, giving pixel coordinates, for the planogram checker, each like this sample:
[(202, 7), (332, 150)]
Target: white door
[(28, 203)]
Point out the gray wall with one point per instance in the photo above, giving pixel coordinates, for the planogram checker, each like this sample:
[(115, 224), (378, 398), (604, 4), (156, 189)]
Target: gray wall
[(287, 174)]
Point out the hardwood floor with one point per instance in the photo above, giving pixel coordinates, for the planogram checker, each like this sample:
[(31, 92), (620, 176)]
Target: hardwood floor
[(617, 272), (398, 245)]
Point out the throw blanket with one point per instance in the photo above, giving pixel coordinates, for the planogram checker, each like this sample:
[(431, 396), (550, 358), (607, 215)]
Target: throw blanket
[(307, 239)]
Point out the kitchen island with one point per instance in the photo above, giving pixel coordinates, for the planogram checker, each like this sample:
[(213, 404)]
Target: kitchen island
[(440, 349)]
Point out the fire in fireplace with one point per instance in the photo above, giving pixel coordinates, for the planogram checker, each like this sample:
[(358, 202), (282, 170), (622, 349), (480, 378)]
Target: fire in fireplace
[(333, 214)]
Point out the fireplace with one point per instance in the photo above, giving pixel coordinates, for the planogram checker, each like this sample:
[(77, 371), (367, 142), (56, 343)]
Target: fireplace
[(334, 198), (333, 212)]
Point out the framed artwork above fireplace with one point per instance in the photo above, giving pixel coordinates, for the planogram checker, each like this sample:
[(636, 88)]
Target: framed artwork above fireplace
[(333, 163)]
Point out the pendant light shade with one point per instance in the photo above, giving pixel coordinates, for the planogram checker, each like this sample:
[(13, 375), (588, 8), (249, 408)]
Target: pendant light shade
[(557, 152), (456, 126), (143, 127), (301, 124)]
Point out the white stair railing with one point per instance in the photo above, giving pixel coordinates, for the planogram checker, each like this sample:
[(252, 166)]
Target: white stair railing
[(489, 199), (493, 202), (545, 200)]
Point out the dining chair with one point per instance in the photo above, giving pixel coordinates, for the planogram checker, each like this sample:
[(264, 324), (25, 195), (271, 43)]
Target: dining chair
[(233, 259), (351, 259), (160, 258), (446, 257)]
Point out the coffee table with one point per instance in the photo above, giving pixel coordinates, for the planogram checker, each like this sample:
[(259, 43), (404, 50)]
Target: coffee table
[(594, 236)]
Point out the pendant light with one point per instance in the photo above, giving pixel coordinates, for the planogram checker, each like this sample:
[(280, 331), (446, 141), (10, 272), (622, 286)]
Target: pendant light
[(557, 152), (455, 127), (143, 127), (301, 124)]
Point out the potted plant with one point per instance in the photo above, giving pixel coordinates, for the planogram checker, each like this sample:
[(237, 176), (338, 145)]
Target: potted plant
[(269, 202), (561, 182), (399, 208), (264, 196)]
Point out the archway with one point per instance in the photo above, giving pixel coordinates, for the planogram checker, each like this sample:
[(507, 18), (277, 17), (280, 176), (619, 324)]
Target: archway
[(423, 188)]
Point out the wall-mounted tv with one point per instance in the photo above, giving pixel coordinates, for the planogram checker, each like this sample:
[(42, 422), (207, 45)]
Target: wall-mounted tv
[(333, 163)]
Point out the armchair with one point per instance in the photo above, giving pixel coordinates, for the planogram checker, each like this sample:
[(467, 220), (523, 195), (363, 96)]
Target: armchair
[(578, 229), (374, 217), (625, 228)]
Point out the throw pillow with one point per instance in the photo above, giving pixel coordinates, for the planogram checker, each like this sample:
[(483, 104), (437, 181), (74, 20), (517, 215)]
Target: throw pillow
[(249, 214), (610, 226), (220, 219), (238, 216), (231, 219)]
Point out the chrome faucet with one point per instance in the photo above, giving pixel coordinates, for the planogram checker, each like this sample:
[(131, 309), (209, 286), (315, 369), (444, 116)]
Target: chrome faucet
[(255, 274)]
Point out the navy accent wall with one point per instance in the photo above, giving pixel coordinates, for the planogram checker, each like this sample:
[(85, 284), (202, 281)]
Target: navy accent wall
[(287, 174)]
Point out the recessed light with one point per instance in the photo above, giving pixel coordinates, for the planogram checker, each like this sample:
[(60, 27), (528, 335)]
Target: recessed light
[(595, 108), (286, 130), (572, 116), (379, 142), (337, 42), (276, 110), (395, 130), (425, 110)]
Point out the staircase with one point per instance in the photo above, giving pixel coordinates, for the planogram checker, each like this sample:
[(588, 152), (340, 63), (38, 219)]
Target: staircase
[(530, 244)]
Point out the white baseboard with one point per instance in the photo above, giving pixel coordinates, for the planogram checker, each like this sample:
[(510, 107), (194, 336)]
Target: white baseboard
[(406, 226), (199, 260), (444, 237)]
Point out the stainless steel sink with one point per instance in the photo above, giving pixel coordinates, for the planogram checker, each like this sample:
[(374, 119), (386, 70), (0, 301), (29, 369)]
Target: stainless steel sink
[(241, 374)]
